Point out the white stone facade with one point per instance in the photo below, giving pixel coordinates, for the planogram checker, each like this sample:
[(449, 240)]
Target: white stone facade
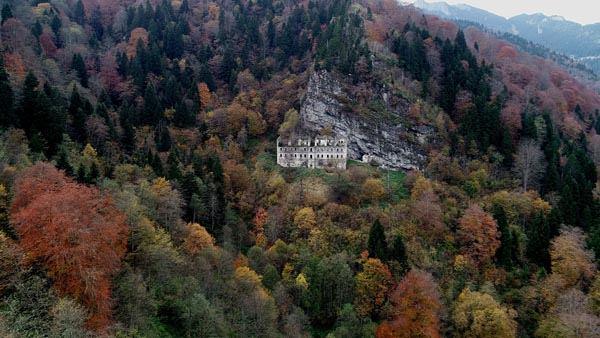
[(318, 152)]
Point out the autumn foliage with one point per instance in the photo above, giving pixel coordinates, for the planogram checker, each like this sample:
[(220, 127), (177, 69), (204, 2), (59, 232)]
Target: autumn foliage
[(416, 307), (372, 286), (197, 239), (478, 233), (75, 232)]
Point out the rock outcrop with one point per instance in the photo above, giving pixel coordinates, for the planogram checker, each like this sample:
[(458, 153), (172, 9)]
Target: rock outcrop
[(383, 138)]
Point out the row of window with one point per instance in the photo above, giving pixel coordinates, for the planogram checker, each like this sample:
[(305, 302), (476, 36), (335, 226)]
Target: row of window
[(311, 156), (318, 143), (337, 150)]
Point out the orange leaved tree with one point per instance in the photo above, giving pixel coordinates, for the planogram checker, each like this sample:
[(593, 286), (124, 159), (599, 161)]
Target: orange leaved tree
[(416, 307), (75, 232), (478, 234)]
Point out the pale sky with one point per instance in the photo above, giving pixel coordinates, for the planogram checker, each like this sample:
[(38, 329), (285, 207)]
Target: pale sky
[(582, 11)]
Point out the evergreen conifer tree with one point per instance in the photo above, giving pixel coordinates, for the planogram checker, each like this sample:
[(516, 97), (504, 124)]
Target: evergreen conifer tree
[(79, 13), (78, 114), (504, 253), (539, 235), (174, 166), (94, 173), (29, 104), (398, 253), (81, 174), (377, 244), (78, 65), (6, 13), (7, 99)]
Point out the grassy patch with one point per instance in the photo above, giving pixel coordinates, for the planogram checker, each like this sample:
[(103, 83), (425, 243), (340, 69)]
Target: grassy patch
[(395, 180)]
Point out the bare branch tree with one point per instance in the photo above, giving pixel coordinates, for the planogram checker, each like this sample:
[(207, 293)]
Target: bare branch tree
[(529, 162)]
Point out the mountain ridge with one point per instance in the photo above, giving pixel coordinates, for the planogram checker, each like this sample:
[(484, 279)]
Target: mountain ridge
[(580, 41)]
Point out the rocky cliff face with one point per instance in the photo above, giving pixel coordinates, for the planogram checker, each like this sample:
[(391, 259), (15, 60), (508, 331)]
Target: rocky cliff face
[(382, 136)]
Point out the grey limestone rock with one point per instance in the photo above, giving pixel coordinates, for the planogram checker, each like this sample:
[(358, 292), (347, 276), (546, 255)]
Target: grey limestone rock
[(386, 141)]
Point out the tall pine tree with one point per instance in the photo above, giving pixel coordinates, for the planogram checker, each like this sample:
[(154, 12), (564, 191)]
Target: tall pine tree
[(78, 65), (377, 244), (78, 114), (6, 13), (79, 13), (7, 99)]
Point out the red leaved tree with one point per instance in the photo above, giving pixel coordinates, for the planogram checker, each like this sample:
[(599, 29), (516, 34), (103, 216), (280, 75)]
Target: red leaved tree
[(75, 231)]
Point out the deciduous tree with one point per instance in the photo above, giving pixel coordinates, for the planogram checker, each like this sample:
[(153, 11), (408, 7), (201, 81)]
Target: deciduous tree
[(197, 239), (570, 259), (478, 314), (529, 162), (372, 286), (305, 219), (478, 235), (373, 189), (75, 231), (416, 307)]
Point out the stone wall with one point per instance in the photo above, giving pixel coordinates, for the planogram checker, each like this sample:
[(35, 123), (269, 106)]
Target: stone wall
[(390, 144), (312, 154)]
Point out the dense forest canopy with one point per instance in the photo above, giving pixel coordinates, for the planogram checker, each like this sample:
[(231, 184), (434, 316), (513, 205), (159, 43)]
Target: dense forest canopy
[(140, 196)]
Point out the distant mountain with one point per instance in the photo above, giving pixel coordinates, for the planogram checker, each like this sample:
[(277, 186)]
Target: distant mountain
[(465, 12), (555, 32)]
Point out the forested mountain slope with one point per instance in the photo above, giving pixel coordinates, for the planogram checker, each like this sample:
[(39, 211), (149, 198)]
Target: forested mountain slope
[(571, 38), (140, 196)]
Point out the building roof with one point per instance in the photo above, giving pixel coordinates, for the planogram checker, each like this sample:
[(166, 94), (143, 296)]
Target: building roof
[(305, 140)]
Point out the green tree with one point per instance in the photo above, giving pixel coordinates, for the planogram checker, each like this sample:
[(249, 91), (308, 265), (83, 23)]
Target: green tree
[(163, 139), (41, 116), (6, 13), (398, 253), (173, 41), (206, 76), (377, 244), (136, 306), (96, 23), (27, 308), (350, 325), (78, 113), (504, 253), (152, 107), (94, 174), (228, 70), (78, 65), (7, 99), (539, 233), (68, 319), (330, 286), (29, 104), (270, 277), (174, 172), (79, 13)]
